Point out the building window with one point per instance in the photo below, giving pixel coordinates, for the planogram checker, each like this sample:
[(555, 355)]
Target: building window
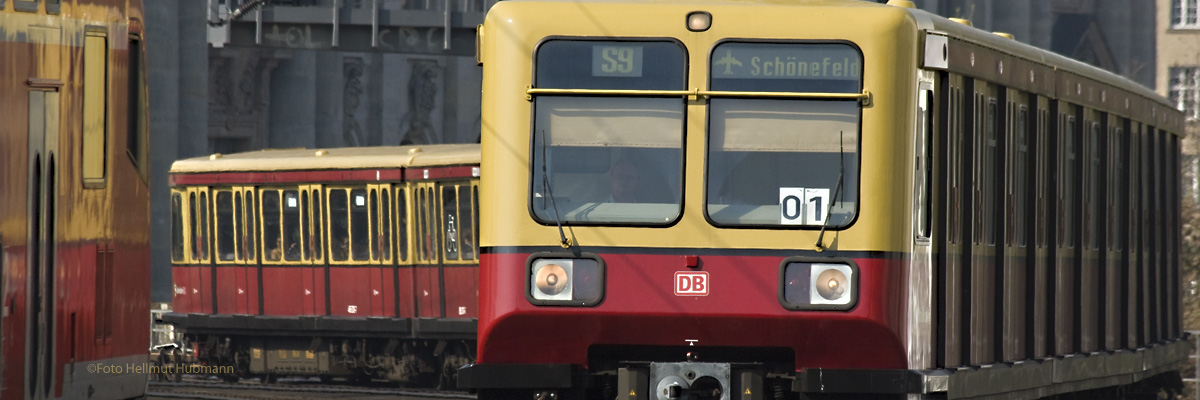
[(1185, 83), (1183, 14)]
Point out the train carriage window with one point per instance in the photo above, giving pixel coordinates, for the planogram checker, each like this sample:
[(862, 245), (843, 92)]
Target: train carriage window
[(339, 225), (466, 224), (450, 221), (374, 231), (177, 245), (753, 141), (315, 226), (292, 250), (95, 108), (1043, 177), (306, 219), (426, 242), (385, 225), (634, 144), (402, 224), (202, 229), (272, 238), (137, 146), (1020, 180), (986, 176), (248, 234), (224, 226), (1095, 199), (1066, 182), (360, 228), (239, 233)]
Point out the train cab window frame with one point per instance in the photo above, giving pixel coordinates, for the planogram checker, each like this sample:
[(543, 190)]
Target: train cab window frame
[(94, 142), (599, 116), (741, 188)]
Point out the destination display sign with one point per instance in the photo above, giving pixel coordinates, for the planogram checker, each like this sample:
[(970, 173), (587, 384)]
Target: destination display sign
[(786, 61), (776, 67), (617, 60), (611, 64)]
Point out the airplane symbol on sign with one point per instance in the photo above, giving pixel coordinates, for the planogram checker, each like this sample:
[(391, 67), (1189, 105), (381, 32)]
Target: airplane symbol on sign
[(728, 61)]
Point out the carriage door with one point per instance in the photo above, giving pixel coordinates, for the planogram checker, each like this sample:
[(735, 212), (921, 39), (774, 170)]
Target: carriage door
[(427, 270), (379, 213), (40, 249)]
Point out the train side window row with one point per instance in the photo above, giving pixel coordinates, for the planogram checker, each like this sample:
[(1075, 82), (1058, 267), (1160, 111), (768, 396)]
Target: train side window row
[(363, 224)]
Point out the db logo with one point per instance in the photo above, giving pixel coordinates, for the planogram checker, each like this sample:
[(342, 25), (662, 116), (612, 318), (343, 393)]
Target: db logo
[(691, 283)]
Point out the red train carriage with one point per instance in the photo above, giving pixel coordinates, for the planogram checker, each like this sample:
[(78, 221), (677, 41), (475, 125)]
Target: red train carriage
[(815, 199), (74, 200), (356, 262)]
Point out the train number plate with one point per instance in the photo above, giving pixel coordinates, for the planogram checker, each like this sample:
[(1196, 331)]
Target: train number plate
[(691, 283)]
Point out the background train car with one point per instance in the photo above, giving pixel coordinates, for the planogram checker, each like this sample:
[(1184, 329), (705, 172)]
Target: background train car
[(355, 262), (826, 198), (74, 200)]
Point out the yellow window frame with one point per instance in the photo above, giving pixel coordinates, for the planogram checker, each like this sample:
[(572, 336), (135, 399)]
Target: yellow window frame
[(184, 227), (198, 196), (348, 217), (216, 226), (378, 221), (308, 215), (404, 249), (426, 243), (455, 232)]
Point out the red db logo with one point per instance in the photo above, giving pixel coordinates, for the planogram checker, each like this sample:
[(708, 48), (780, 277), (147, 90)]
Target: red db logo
[(691, 283)]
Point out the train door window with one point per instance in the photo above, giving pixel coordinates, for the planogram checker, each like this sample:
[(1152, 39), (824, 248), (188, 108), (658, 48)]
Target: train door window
[(450, 221), (385, 224), (239, 233), (1020, 179), (923, 158), (193, 228), (985, 167), (375, 230), (95, 107), (1066, 183), (955, 144), (360, 226), (177, 244), (314, 224), (1117, 170), (292, 250), (224, 226), (271, 227), (402, 223), (467, 222), (339, 224), (137, 145), (248, 234), (1095, 198), (634, 144), (305, 218), (1043, 173), (203, 227)]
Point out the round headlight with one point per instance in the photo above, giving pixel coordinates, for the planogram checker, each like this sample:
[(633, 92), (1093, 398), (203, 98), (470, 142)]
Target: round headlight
[(551, 279), (831, 284)]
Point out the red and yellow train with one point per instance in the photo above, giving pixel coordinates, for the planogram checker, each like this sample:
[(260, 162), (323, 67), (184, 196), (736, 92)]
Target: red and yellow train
[(356, 263), (769, 199), (74, 200)]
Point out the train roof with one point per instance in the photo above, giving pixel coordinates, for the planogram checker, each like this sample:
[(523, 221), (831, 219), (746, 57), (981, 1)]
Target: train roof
[(333, 159)]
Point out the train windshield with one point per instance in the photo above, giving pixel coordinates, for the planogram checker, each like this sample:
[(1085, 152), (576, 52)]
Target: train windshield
[(608, 158), (779, 161)]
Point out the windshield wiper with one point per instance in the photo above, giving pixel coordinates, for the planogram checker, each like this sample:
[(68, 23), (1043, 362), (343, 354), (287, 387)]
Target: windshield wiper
[(836, 192), (565, 243)]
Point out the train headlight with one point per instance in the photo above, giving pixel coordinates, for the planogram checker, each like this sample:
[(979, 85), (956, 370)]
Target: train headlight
[(822, 285), (556, 280)]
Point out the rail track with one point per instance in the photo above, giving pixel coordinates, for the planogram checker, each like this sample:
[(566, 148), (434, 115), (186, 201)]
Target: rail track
[(286, 389)]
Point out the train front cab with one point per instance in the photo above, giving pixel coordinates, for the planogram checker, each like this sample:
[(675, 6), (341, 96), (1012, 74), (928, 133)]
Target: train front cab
[(1001, 264)]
